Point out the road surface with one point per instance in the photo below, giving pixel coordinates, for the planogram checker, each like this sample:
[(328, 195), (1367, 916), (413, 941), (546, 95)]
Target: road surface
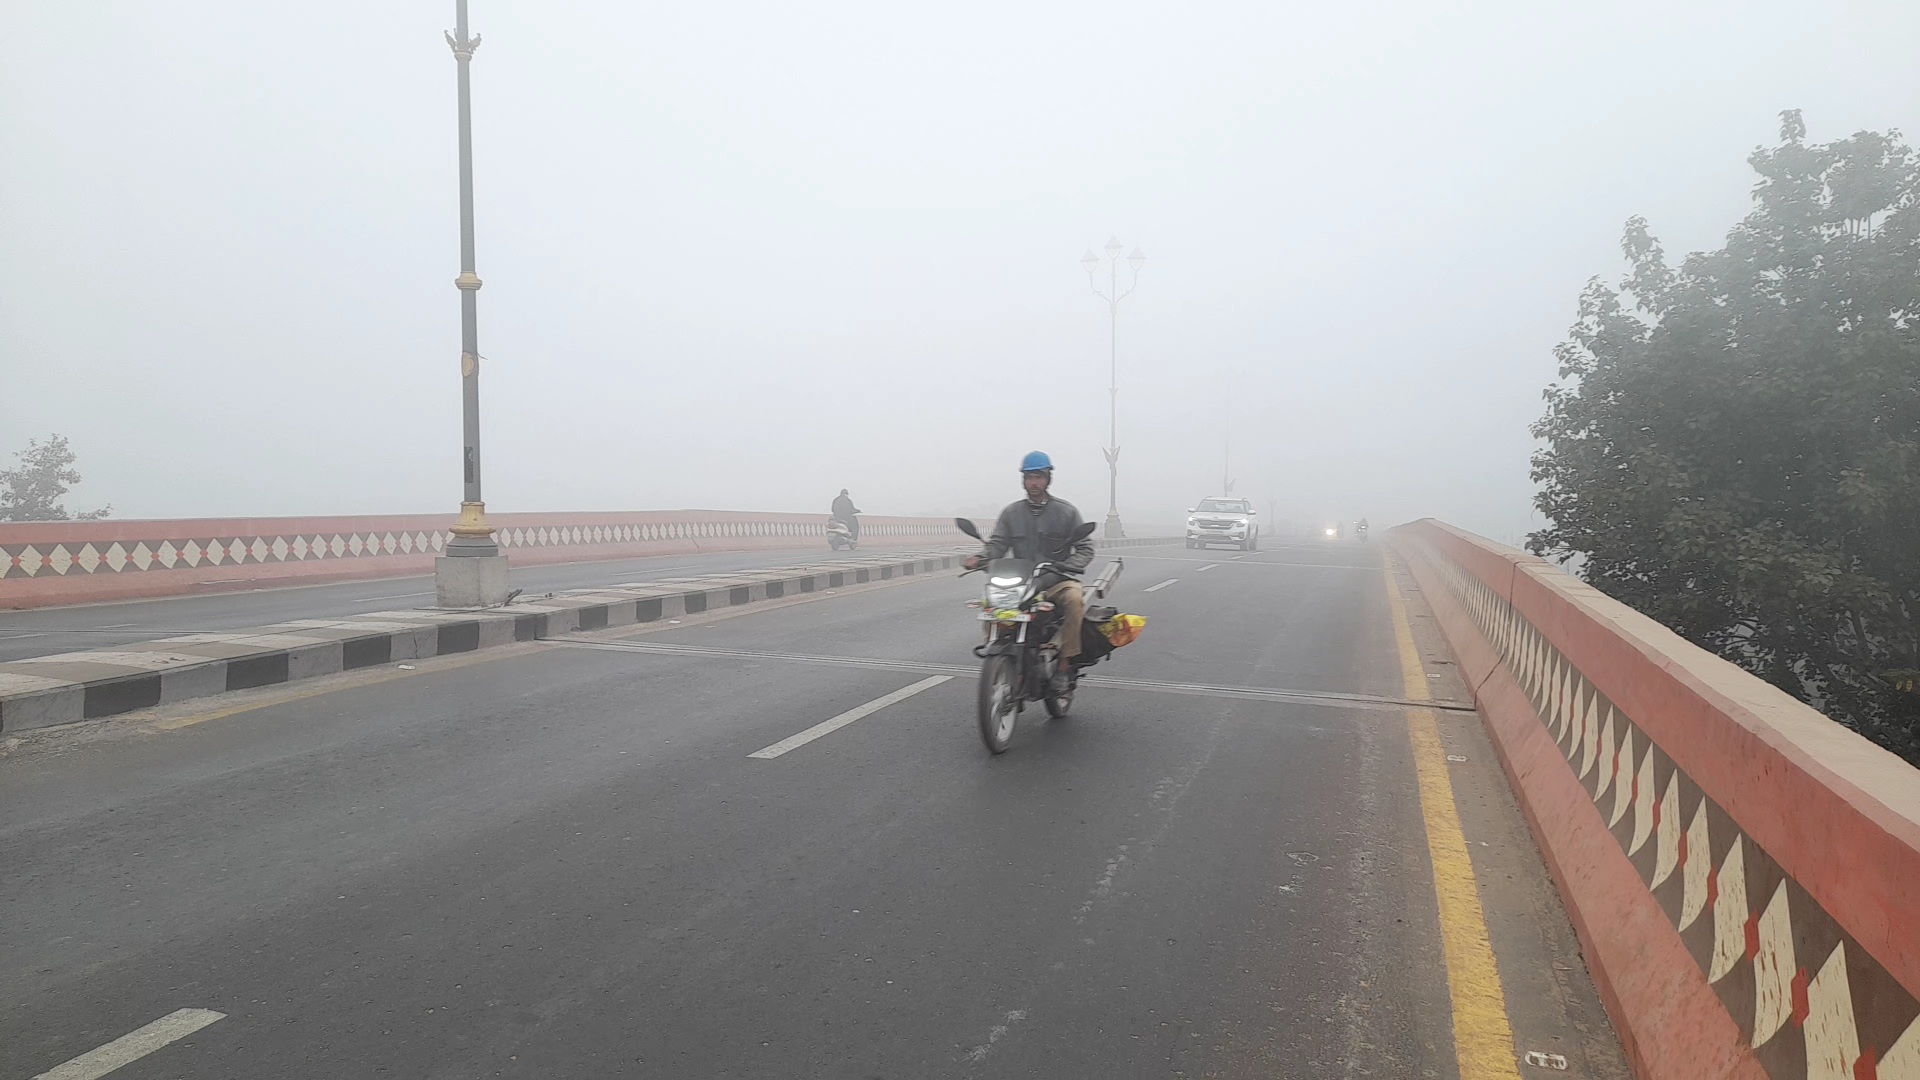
[(564, 859)]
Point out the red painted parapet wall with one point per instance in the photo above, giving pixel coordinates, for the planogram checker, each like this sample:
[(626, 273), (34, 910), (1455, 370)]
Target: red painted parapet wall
[(72, 562), (1743, 872)]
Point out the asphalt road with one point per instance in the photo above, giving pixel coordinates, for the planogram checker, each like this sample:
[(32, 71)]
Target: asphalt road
[(48, 631), (560, 860)]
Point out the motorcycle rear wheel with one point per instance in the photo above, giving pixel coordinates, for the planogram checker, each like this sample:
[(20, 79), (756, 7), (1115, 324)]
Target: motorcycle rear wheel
[(999, 702)]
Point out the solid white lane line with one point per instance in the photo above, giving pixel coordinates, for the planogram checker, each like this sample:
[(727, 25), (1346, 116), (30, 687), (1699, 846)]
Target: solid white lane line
[(1239, 556), (117, 626), (828, 727), (133, 1046), (1206, 568), (1162, 585)]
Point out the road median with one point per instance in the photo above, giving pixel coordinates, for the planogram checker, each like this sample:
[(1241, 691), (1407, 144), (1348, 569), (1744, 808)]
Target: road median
[(44, 691)]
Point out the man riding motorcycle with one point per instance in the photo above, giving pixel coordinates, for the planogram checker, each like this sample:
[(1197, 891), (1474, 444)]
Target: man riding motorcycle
[(1037, 528)]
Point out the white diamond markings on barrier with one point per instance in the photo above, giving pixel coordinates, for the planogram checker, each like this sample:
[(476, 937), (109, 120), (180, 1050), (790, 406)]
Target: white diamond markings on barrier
[(168, 555), (389, 543), (355, 544), (1623, 784), (59, 560), (1902, 1059), (1643, 799), (88, 558), (338, 545), (1773, 967), (142, 555), (439, 541), (299, 547), (279, 548), (1696, 868), (1831, 1033), (1667, 852), (1590, 741), (259, 549), (115, 557), (406, 543), (214, 552), (1730, 911), (1607, 758), (30, 560)]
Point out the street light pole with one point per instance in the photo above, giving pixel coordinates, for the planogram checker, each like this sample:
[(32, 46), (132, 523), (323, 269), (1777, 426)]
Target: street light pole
[(473, 572), (1091, 263)]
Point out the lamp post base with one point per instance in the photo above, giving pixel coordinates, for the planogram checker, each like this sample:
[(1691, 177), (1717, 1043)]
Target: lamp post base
[(471, 581), (1113, 530)]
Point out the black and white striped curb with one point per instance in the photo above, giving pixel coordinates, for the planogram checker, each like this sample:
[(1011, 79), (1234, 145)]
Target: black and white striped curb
[(68, 687), (61, 689)]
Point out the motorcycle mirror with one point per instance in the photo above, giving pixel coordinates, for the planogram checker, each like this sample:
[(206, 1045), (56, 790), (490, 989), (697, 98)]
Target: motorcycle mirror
[(967, 527), (1084, 531)]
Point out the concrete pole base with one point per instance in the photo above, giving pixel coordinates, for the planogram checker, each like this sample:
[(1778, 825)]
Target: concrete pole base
[(470, 581), (1113, 529)]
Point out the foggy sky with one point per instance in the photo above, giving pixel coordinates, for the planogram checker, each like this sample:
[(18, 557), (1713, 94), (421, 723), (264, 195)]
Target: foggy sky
[(742, 256)]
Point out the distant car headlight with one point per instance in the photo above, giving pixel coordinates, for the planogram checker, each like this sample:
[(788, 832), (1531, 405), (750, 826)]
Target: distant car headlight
[(1331, 532)]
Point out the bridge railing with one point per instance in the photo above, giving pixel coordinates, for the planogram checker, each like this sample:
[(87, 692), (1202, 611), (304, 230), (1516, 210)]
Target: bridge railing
[(67, 562), (1744, 873)]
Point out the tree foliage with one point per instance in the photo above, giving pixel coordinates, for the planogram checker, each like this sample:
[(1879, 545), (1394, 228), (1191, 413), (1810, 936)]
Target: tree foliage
[(33, 491), (1734, 447)]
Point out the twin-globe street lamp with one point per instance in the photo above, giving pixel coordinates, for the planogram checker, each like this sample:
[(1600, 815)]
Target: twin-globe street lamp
[(1091, 263)]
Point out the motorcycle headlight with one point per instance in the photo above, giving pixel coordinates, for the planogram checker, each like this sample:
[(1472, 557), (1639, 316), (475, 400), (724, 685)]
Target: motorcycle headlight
[(1005, 593)]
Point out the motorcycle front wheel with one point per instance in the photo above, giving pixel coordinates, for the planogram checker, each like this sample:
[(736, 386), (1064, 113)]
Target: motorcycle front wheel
[(999, 702), (1057, 706)]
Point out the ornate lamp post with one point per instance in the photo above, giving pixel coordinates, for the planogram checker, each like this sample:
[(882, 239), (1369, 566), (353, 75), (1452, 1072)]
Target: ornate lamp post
[(1091, 263)]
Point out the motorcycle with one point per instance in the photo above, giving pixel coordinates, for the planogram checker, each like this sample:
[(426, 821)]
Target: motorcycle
[(839, 536), (1019, 658), (1360, 533)]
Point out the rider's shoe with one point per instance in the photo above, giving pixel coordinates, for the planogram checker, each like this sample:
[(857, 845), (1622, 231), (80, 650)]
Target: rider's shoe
[(1062, 682)]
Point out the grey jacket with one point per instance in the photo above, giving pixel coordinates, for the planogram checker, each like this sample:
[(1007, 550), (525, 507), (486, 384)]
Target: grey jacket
[(1019, 526)]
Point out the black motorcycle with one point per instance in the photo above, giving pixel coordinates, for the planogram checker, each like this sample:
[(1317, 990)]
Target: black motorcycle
[(1019, 658)]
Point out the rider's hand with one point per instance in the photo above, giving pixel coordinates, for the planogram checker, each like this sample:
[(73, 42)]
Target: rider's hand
[(972, 563)]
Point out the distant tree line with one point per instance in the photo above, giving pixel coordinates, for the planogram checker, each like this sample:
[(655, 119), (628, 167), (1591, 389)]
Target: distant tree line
[(35, 488), (1734, 447)]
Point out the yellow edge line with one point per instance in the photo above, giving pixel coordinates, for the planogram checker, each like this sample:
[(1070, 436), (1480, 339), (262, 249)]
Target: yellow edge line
[(1482, 1035)]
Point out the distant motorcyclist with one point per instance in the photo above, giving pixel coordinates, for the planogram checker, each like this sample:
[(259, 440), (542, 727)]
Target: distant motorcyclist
[(1038, 528), (845, 511)]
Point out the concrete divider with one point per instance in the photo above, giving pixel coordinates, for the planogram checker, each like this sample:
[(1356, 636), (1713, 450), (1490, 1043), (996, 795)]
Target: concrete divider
[(1744, 873), (60, 689), (72, 562)]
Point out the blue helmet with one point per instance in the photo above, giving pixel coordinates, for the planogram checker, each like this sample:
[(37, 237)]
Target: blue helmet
[(1037, 461)]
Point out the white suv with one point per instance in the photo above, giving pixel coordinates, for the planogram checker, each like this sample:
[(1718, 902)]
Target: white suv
[(1223, 520)]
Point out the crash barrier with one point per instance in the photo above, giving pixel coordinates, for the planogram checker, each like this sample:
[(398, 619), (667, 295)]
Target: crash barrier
[(1744, 873), (72, 562)]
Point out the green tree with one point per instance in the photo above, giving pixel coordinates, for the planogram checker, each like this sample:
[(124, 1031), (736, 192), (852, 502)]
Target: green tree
[(1734, 445), (32, 492)]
